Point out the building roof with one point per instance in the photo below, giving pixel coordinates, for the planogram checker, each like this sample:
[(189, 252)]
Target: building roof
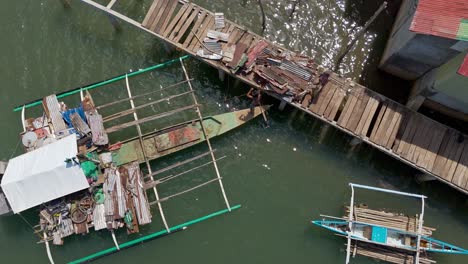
[(443, 18), (464, 67), (43, 175)]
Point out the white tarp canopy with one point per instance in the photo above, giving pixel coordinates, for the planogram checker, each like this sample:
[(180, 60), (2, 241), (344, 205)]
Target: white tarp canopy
[(43, 175)]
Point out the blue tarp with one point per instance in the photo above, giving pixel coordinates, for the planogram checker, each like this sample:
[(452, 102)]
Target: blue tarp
[(67, 115)]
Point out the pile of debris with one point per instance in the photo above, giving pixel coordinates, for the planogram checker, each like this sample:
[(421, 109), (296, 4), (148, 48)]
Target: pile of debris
[(292, 76)]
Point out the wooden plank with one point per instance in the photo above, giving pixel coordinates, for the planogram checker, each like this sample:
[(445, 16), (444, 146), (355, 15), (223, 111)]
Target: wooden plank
[(151, 13), (174, 21), (166, 17), (187, 24), (434, 146), (419, 140), (195, 28), (320, 97), (441, 157), (386, 126), (175, 32), (52, 110), (357, 112), (351, 102), (377, 126), (454, 154), (405, 117), (334, 106), (200, 35), (159, 13), (424, 143), (391, 133), (405, 142), (366, 119), (413, 144)]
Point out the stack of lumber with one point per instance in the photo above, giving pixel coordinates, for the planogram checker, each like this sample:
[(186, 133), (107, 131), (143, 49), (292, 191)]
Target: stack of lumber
[(389, 220), (385, 254)]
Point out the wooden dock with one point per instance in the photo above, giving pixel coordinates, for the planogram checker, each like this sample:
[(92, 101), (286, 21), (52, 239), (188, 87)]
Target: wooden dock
[(406, 135)]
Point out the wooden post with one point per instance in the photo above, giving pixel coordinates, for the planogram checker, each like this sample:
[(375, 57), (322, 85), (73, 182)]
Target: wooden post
[(49, 254), (169, 48), (424, 178), (221, 75), (282, 105)]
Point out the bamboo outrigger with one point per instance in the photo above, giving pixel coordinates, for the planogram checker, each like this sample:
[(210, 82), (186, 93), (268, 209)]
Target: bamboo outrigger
[(386, 236), (105, 187)]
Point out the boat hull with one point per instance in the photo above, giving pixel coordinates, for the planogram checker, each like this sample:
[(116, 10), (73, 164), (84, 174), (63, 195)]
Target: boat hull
[(384, 236), (182, 136)]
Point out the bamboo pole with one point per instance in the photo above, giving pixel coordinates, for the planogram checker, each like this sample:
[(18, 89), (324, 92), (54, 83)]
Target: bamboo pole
[(49, 254), (132, 110), (101, 83), (200, 117), (148, 166)]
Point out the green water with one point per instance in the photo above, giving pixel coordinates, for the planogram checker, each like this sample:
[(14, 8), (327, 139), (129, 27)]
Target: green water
[(284, 176)]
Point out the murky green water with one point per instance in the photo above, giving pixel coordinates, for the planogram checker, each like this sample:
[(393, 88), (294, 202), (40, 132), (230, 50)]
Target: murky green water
[(47, 49)]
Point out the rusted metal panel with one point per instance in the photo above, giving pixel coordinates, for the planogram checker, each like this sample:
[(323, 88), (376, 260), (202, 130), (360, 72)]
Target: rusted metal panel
[(177, 138)]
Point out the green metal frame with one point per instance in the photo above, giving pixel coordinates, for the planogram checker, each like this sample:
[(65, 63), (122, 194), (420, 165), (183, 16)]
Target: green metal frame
[(101, 83), (151, 236)]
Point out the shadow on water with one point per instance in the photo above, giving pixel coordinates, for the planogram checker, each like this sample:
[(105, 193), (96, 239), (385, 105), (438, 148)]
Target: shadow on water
[(361, 11)]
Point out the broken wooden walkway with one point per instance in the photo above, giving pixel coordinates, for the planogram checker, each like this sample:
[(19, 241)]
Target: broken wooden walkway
[(406, 135)]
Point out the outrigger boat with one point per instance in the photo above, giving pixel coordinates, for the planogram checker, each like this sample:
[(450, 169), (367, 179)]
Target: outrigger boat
[(81, 180), (386, 236)]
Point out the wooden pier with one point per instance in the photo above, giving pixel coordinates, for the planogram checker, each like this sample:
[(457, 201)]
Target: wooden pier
[(422, 143)]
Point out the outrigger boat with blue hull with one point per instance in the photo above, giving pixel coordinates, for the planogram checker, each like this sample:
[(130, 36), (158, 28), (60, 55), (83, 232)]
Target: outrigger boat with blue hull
[(389, 237), (386, 236)]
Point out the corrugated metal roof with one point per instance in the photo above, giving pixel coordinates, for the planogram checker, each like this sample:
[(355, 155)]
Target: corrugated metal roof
[(443, 18), (464, 67)]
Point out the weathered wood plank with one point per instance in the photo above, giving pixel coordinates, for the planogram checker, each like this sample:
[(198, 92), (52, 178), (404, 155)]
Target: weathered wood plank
[(187, 24), (366, 119), (334, 106), (320, 97), (52, 110), (357, 112), (410, 130), (166, 17), (386, 127), (200, 35), (405, 116), (441, 157), (434, 147), (195, 29), (150, 14), (461, 167), (377, 130), (454, 156), (174, 21), (176, 30), (421, 140), (394, 126), (159, 12)]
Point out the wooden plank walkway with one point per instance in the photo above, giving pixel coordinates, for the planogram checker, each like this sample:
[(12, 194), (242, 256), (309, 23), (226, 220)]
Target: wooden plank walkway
[(406, 135)]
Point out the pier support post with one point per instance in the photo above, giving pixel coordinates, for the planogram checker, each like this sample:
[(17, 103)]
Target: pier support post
[(115, 23), (168, 48), (66, 3), (424, 178), (221, 74), (282, 105), (355, 141)]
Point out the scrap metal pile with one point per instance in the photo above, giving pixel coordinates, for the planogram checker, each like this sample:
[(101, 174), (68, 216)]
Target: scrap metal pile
[(294, 77), (115, 197)]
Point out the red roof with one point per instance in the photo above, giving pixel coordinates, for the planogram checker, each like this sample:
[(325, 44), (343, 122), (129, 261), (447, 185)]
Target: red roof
[(464, 67), (443, 18)]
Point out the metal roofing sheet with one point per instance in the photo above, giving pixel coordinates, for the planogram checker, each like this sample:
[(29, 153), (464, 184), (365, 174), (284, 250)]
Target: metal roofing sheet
[(464, 67), (443, 18)]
